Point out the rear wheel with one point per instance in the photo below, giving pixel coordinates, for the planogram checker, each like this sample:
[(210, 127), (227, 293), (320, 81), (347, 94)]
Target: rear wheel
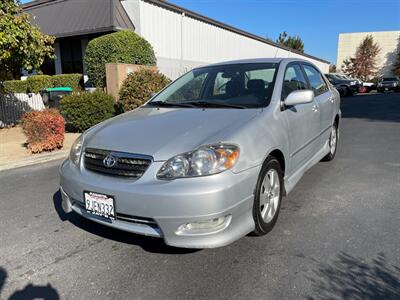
[(333, 141), (268, 196)]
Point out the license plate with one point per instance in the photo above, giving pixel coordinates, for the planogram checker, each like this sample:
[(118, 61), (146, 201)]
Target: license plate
[(100, 204), (386, 89)]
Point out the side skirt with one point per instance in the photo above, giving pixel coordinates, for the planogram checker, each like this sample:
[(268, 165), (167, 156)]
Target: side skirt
[(292, 180)]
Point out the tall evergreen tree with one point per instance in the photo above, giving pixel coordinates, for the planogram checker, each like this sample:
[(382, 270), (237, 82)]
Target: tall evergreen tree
[(293, 42)]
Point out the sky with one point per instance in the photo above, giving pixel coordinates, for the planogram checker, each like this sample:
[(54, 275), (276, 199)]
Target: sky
[(317, 22)]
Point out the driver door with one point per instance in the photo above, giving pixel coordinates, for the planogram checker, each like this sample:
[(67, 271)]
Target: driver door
[(303, 119)]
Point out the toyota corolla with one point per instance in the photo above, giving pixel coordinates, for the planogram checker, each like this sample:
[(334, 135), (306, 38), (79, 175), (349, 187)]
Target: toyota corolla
[(208, 159)]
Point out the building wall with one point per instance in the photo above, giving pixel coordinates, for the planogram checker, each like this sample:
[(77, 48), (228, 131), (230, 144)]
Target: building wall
[(181, 43), (389, 42)]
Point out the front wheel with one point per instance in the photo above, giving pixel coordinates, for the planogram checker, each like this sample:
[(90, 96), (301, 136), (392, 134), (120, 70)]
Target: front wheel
[(268, 196), (333, 141)]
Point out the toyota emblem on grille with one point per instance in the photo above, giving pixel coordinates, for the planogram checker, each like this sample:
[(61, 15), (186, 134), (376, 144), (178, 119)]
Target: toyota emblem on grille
[(109, 161)]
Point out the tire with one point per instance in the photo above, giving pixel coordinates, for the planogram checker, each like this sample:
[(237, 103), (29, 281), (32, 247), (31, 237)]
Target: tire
[(334, 137), (347, 92), (265, 215), (350, 93)]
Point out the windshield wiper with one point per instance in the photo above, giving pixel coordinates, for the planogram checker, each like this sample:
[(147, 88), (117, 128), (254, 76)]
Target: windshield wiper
[(215, 104), (169, 104)]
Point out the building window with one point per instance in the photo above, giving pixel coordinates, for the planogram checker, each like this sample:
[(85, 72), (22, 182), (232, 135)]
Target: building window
[(71, 56), (48, 67)]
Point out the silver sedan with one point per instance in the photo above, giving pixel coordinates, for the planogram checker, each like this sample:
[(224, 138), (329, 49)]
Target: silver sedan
[(208, 159)]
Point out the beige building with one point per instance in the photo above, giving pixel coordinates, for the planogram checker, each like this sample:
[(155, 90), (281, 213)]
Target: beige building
[(389, 42)]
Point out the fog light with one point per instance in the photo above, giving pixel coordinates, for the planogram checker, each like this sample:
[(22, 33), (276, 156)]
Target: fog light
[(204, 227)]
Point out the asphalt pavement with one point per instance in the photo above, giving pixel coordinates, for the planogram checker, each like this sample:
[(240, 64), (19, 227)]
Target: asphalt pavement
[(337, 236)]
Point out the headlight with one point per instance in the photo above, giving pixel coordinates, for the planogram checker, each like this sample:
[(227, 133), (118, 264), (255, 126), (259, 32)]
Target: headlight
[(76, 150), (395, 83), (206, 160), (353, 82), (379, 84)]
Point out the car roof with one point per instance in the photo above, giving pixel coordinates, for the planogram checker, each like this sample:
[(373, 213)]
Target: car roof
[(256, 60)]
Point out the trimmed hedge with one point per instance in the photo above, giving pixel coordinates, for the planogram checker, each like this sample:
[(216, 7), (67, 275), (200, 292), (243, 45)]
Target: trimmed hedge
[(15, 86), (138, 87), (70, 80), (84, 110), (44, 130), (36, 83), (118, 47)]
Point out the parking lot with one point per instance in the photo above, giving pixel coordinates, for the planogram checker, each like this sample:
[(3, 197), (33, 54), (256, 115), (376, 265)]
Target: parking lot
[(337, 236)]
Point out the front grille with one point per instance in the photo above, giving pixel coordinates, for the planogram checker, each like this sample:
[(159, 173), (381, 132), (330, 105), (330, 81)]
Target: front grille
[(124, 164)]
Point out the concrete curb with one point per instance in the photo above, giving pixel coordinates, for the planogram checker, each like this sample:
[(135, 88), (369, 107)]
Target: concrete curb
[(35, 159)]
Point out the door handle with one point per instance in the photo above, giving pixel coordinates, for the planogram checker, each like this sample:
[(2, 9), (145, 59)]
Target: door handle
[(315, 108)]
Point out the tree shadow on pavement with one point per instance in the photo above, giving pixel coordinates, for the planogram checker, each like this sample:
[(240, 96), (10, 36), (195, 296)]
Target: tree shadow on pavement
[(349, 277), (150, 244), (30, 291)]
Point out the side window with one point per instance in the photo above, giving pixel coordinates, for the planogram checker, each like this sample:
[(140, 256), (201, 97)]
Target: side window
[(316, 81), (293, 80)]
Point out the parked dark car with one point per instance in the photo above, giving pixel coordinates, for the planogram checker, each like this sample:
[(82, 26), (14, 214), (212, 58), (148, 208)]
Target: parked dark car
[(347, 85), (389, 84)]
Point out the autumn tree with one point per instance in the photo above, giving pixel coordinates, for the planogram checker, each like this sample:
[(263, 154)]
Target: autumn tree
[(293, 42), (396, 64), (22, 45), (363, 65)]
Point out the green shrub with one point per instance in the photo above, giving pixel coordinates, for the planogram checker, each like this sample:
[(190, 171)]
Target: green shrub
[(83, 110), (15, 86), (69, 80), (119, 47), (138, 87), (36, 83)]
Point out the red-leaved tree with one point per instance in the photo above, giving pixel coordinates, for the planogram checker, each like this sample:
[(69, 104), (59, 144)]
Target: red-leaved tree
[(363, 65)]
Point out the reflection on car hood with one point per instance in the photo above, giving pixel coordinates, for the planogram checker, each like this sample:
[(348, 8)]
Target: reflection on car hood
[(165, 132)]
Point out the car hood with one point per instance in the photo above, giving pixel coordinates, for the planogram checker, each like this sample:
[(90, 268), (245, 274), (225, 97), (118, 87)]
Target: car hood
[(165, 132)]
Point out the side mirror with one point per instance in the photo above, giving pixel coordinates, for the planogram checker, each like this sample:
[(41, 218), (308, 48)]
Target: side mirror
[(299, 97)]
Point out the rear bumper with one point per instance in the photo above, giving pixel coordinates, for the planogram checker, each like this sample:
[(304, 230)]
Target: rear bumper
[(158, 208)]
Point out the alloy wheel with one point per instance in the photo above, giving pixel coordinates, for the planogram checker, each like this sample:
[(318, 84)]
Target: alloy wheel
[(269, 195)]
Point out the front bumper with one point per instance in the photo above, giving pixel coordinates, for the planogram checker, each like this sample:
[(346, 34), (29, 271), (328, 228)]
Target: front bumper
[(157, 208), (388, 88)]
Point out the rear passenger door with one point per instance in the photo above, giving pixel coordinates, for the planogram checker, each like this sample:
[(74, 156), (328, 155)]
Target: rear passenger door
[(303, 119), (324, 99)]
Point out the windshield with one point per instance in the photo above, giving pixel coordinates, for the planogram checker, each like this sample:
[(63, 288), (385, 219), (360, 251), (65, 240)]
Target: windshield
[(238, 85), (389, 79)]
